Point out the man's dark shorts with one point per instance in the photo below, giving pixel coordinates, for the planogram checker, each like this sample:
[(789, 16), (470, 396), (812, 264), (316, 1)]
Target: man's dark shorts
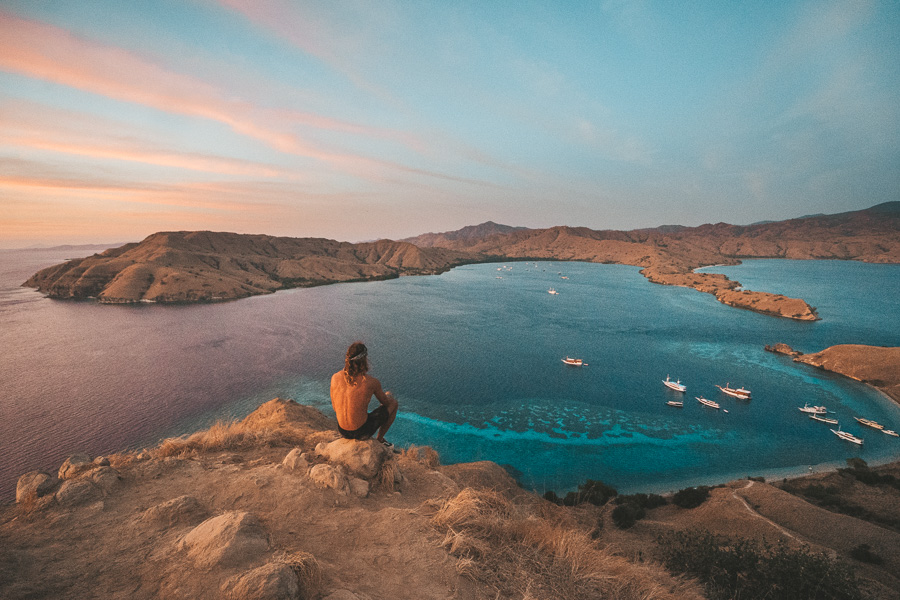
[(375, 420)]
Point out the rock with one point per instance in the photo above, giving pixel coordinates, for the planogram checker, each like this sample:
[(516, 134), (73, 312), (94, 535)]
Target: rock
[(362, 458), (229, 539), (345, 595), (358, 487), (782, 348), (295, 461), (106, 478), (182, 510), (75, 465), (77, 491), (33, 485), (272, 581), (328, 477), (101, 461)]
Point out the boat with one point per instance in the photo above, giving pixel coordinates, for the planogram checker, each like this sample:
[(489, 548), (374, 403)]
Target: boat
[(869, 423), (552, 291), (706, 402), (849, 437), (736, 392), (675, 403), (890, 432), (815, 410), (574, 362), (674, 385), (816, 417)]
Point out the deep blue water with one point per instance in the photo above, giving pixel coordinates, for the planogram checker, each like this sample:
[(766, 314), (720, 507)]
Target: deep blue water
[(475, 363)]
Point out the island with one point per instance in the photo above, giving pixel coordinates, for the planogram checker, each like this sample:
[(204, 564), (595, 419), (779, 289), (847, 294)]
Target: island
[(203, 266), (277, 506)]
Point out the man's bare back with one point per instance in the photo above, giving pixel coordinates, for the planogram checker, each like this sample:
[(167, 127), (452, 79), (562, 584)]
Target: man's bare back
[(350, 397)]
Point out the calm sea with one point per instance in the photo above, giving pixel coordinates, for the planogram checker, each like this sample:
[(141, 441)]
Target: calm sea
[(474, 357)]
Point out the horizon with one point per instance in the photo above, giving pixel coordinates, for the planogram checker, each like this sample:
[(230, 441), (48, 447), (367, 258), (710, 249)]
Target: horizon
[(359, 122)]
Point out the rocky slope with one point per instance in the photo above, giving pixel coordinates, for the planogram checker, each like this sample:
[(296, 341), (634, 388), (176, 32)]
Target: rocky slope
[(875, 365), (206, 266), (276, 507)]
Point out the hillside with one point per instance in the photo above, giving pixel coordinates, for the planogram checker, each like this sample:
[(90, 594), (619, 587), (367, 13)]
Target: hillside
[(207, 266), (275, 507)]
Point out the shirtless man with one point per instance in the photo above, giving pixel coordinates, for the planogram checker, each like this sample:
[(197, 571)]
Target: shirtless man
[(351, 391)]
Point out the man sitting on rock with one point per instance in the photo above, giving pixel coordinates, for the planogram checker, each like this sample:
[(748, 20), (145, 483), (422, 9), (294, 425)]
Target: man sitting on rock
[(351, 391)]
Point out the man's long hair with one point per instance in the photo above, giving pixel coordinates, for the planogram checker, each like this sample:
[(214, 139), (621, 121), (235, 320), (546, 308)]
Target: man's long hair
[(356, 363)]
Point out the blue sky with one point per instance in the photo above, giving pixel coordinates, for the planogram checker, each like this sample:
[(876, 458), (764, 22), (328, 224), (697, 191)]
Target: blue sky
[(362, 120)]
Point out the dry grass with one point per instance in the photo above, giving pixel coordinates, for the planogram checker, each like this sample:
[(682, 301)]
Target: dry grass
[(517, 552), (424, 455), (308, 570)]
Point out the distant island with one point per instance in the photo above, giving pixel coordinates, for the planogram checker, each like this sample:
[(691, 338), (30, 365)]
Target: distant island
[(203, 266)]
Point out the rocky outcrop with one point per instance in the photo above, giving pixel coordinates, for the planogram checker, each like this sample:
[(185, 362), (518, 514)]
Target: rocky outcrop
[(183, 510), (272, 581), (361, 458), (33, 485), (875, 365), (229, 539), (781, 348)]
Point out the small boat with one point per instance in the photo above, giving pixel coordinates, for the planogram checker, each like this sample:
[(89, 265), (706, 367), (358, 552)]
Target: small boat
[(869, 423), (675, 403), (736, 392), (849, 437), (890, 432), (816, 417), (815, 410), (674, 385), (552, 291), (706, 402), (574, 362)]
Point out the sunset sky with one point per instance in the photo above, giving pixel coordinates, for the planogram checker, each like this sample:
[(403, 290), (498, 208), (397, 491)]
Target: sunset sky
[(363, 120)]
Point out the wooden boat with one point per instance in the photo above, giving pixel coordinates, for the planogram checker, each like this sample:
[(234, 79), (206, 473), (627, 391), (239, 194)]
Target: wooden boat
[(869, 423), (552, 292), (706, 402), (573, 362), (890, 432), (740, 393), (674, 385), (815, 410), (847, 437), (675, 403), (816, 417)]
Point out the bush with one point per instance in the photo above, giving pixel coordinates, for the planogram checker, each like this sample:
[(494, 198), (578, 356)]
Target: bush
[(739, 568), (626, 515), (691, 497), (864, 553), (552, 497), (595, 492)]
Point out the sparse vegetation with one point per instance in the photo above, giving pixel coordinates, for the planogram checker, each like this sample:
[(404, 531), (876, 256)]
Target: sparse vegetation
[(864, 553), (691, 497), (739, 568), (633, 507)]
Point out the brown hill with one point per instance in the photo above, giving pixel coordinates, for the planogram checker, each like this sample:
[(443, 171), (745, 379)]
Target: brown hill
[(207, 266)]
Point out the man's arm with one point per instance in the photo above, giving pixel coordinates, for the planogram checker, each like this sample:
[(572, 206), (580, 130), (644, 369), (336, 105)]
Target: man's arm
[(386, 398)]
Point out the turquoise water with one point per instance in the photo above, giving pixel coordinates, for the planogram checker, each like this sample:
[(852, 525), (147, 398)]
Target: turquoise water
[(475, 363)]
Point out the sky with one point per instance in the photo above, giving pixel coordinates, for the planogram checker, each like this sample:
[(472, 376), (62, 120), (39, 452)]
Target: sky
[(360, 120)]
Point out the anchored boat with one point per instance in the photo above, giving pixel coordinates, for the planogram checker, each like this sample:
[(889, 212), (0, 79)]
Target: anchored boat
[(869, 423), (816, 417), (574, 362), (674, 385), (706, 402), (740, 393), (815, 410), (849, 437)]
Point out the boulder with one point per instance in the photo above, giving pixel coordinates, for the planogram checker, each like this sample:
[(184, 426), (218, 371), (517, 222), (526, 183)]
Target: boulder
[(361, 458), (106, 478), (229, 539), (33, 485), (295, 461), (326, 476), (77, 491), (358, 487), (101, 461), (182, 510), (272, 581), (75, 465), (345, 595)]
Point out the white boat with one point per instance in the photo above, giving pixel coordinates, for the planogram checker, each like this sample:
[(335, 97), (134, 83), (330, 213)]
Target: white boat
[(869, 423), (675, 403), (574, 362), (890, 432), (706, 402), (816, 417), (815, 410), (552, 291), (674, 385), (736, 392), (849, 437)]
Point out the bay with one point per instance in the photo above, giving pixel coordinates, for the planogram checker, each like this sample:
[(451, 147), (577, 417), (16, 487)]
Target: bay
[(473, 355)]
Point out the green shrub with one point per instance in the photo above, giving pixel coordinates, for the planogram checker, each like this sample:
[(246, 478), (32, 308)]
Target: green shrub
[(691, 497), (740, 568), (626, 515), (595, 492)]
